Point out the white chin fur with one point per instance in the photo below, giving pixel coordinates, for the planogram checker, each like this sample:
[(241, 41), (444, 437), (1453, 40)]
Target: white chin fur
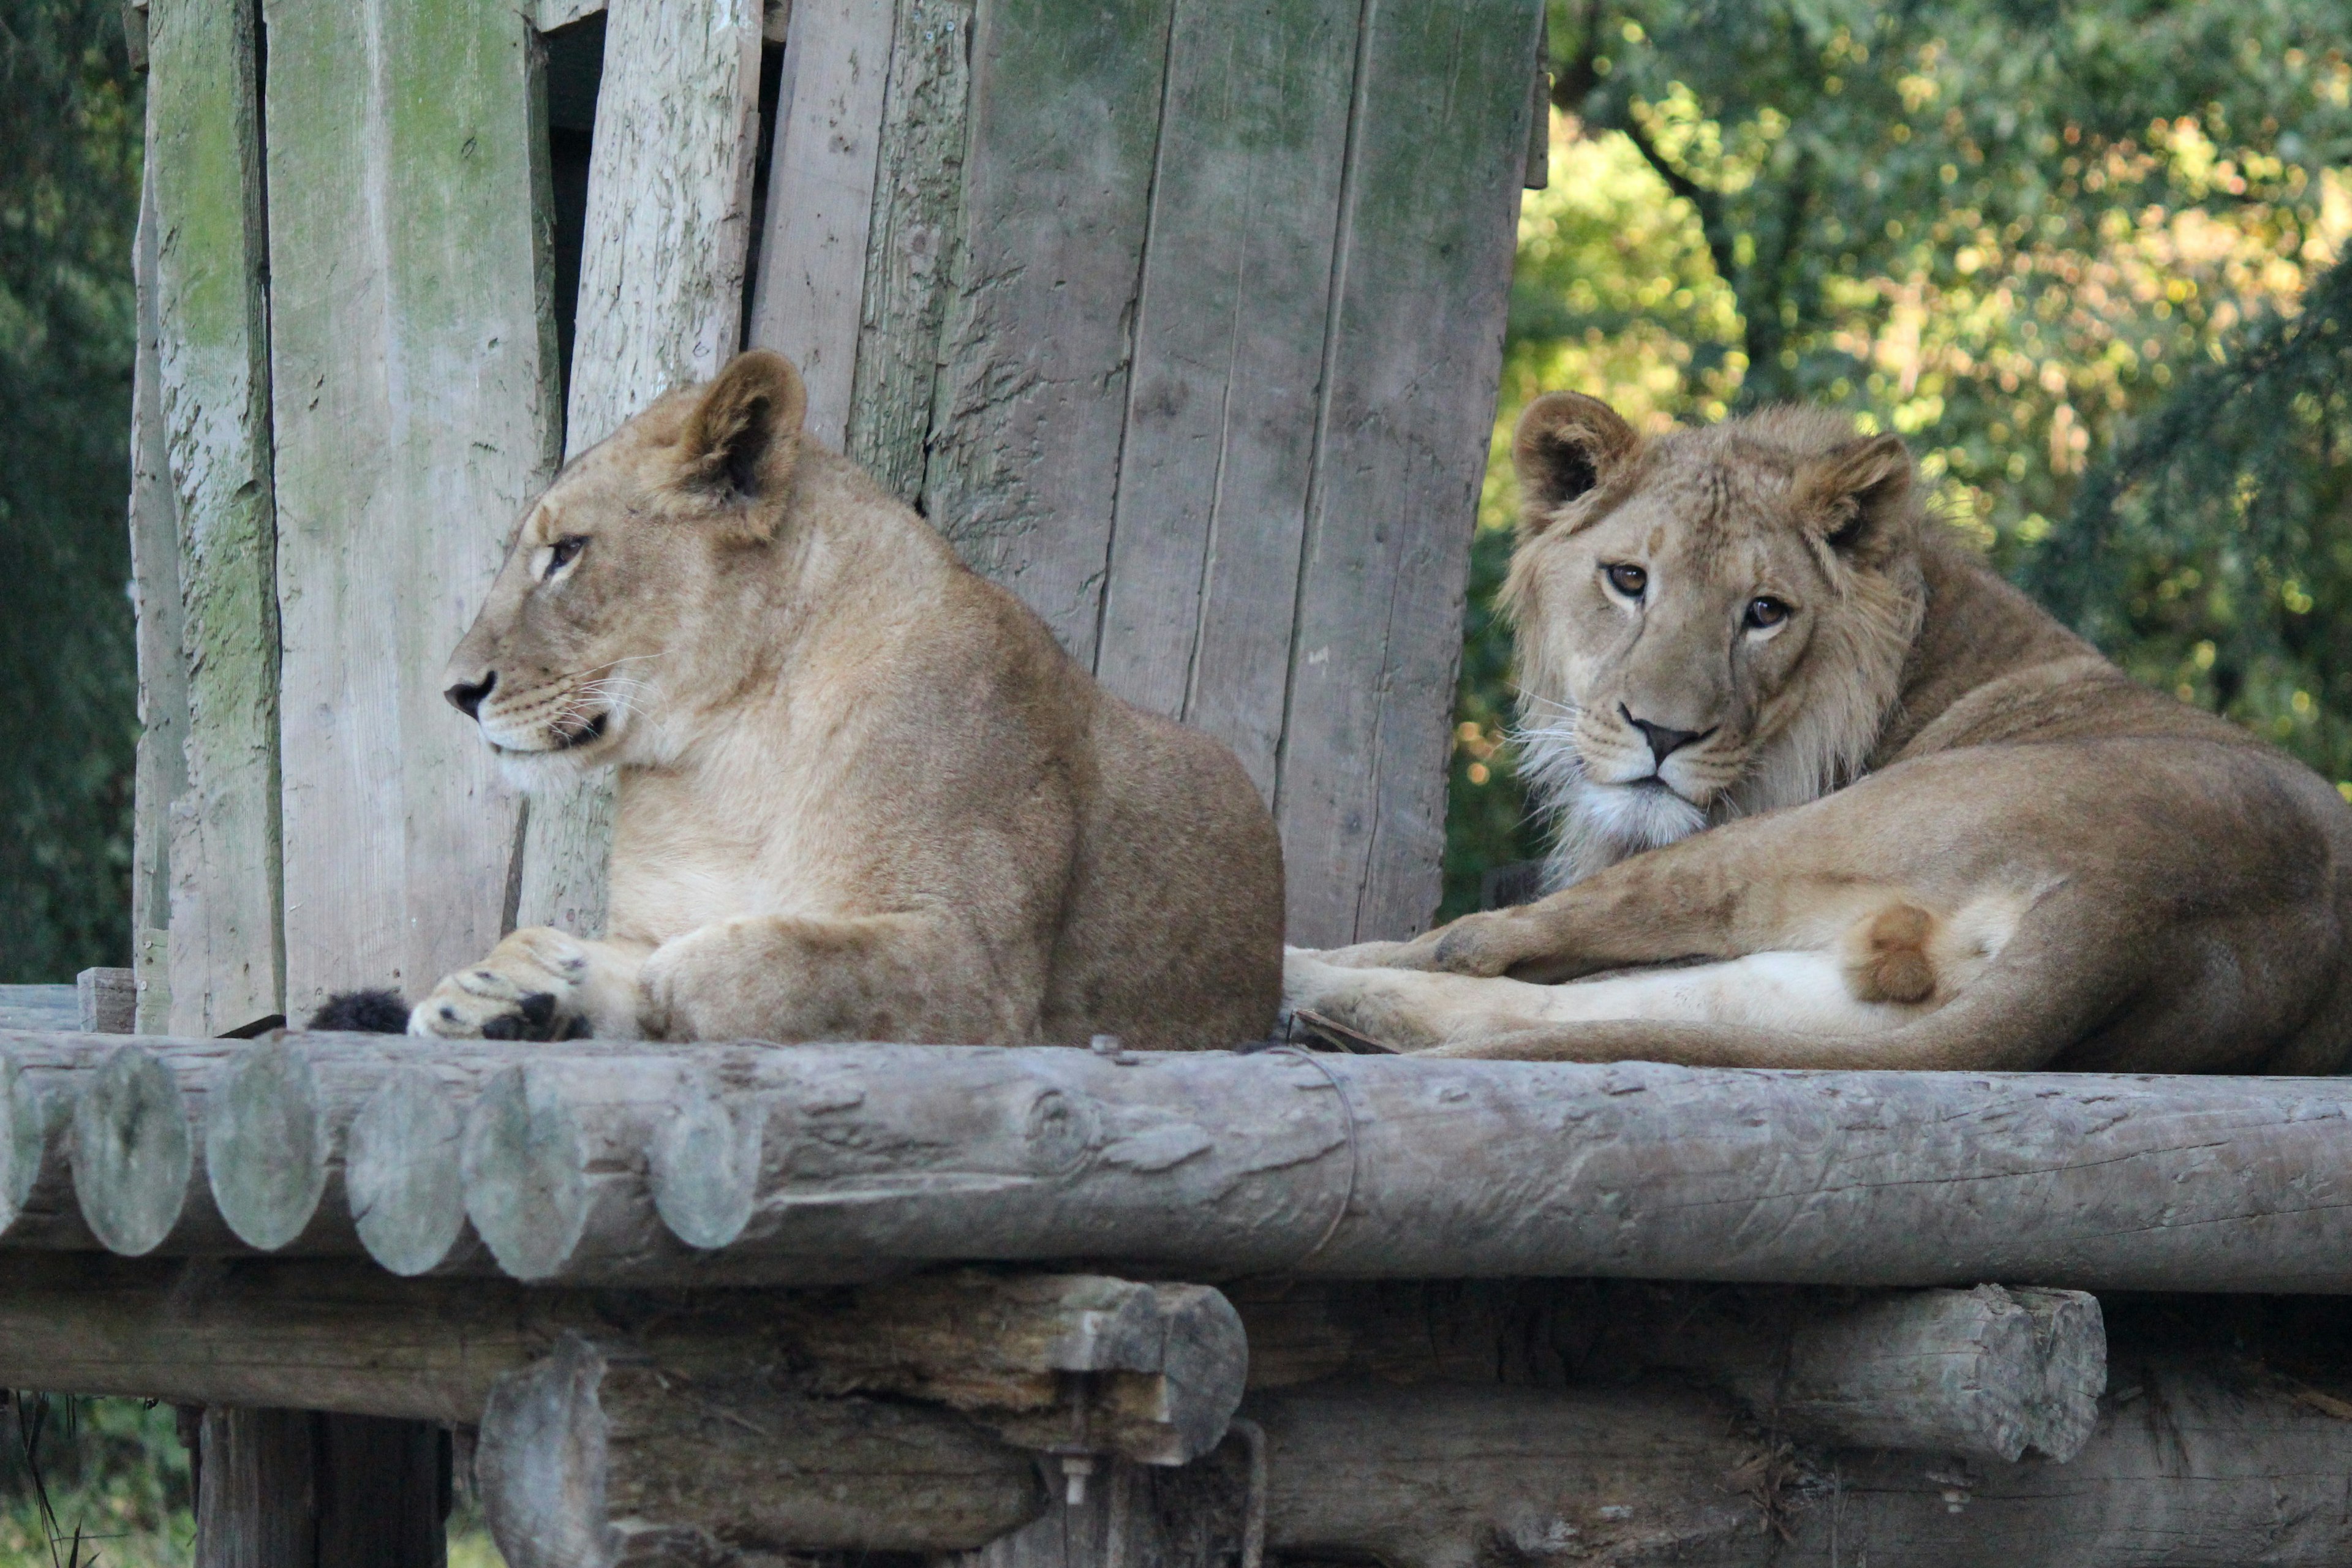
[(1637, 816), (535, 772)]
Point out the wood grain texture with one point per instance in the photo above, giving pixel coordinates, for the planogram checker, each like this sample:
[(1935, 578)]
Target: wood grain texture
[(297, 1488), (160, 774), (1414, 353), (811, 290), (413, 349), (881, 1157), (661, 290), (1032, 395), (213, 336), (1220, 435), (918, 196)]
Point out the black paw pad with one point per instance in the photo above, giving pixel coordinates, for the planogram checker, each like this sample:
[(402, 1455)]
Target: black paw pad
[(539, 1011)]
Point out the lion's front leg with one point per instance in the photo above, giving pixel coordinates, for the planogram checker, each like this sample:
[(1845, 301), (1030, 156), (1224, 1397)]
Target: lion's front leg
[(915, 978), (538, 984)]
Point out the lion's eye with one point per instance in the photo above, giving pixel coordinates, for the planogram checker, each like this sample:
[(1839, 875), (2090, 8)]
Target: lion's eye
[(564, 551), (1765, 612), (1628, 579)]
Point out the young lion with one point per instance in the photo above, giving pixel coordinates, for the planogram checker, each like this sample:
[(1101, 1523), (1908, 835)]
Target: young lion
[(862, 794), (1938, 829)]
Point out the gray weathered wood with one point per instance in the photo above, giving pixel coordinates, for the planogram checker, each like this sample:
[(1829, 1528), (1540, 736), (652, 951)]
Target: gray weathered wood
[(213, 343), (918, 196), (266, 1144), (411, 342), (1959, 1372), (161, 772), (661, 290), (295, 1488), (107, 1001), (810, 293), (1031, 393), (2191, 1467), (1410, 365), (586, 1463), (1221, 424), (876, 1157)]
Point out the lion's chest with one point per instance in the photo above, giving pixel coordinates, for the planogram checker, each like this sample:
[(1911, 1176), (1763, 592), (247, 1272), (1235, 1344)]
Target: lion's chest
[(682, 857)]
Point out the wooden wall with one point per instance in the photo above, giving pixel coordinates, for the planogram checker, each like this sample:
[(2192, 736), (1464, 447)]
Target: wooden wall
[(1209, 353), (1183, 318)]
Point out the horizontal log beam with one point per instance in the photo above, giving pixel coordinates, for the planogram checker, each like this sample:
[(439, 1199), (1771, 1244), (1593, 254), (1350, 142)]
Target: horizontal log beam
[(751, 1164), (1151, 1373)]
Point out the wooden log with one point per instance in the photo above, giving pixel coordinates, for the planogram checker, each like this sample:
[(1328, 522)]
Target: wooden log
[(411, 342), (661, 293), (213, 321), (583, 1463), (877, 1158), (1074, 1362), (2191, 1468), (137, 1169), (1419, 294), (1978, 1373)]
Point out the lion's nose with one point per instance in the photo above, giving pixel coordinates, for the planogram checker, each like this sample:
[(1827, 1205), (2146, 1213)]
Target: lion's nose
[(466, 697), (1663, 742)]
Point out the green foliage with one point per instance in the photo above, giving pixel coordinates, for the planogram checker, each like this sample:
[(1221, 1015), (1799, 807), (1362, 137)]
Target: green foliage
[(70, 150), (99, 1483), (2211, 551), (2009, 233)]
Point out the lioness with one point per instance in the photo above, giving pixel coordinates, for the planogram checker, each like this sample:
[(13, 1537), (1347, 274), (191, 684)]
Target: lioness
[(1832, 794), (862, 792)]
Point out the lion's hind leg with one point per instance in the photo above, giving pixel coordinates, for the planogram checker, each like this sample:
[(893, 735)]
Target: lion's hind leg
[(1789, 992)]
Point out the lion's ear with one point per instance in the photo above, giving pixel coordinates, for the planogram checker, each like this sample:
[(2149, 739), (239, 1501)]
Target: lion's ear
[(1566, 443), (1856, 498), (739, 444)]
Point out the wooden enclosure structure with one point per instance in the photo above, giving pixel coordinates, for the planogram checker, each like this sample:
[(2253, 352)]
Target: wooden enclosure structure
[(1182, 318)]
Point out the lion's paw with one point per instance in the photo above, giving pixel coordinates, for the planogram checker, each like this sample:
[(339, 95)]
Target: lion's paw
[(528, 988), (686, 976)]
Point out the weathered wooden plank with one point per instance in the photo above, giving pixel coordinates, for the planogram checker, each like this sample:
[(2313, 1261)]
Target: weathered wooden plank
[(212, 347), (810, 293), (159, 775), (299, 1488), (413, 346), (661, 293), (1221, 425), (918, 193), (1025, 423), (1415, 350)]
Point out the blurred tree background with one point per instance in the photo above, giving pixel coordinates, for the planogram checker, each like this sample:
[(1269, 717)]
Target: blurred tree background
[(70, 130), (2077, 255)]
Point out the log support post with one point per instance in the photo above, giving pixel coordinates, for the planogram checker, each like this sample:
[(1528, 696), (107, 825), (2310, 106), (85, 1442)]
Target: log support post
[(300, 1488)]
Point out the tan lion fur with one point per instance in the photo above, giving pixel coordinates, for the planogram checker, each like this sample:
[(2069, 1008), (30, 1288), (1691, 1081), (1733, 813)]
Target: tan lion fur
[(1912, 822), (862, 792)]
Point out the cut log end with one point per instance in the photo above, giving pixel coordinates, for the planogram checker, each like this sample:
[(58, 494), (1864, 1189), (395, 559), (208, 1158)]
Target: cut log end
[(525, 1165), (401, 1171), (132, 1153), (24, 1136), (266, 1144), (704, 1169)]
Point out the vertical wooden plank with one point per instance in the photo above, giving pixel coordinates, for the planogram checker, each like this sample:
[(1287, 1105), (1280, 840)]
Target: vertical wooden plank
[(811, 287), (299, 1488), (213, 372), (161, 772), (255, 1497), (918, 193), (414, 356), (1032, 393), (661, 290), (1220, 437), (1437, 155)]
